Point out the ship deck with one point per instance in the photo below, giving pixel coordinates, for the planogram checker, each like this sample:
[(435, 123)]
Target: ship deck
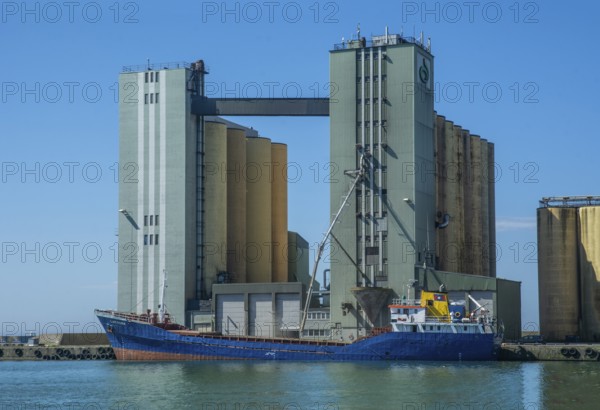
[(244, 338)]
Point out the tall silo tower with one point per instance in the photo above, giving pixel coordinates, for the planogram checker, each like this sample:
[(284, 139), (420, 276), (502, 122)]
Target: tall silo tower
[(160, 142), (381, 110)]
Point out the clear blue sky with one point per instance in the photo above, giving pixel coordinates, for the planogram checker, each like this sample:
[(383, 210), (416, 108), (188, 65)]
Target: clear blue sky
[(521, 74)]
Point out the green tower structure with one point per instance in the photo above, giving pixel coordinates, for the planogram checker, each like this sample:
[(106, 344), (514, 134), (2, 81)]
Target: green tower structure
[(381, 110)]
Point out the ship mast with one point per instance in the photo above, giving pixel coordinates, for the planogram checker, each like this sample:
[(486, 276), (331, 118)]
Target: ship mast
[(359, 174), (161, 308)]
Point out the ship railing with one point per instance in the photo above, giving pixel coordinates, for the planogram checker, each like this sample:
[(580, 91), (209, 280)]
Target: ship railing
[(437, 319), (406, 302), (419, 319), (128, 316)]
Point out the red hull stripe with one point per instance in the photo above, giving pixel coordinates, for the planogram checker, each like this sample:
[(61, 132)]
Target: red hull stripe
[(141, 355)]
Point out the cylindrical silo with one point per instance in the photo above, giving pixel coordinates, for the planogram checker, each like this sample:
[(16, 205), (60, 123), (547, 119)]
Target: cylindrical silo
[(557, 272), (258, 210), (589, 265), (482, 172), (464, 198), (475, 245), (441, 182), (440, 162), (236, 204), (454, 251), (493, 254), (215, 211), (459, 203), (279, 214)]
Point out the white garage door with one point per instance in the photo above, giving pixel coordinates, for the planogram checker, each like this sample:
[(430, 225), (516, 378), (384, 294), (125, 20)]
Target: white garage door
[(288, 312), (230, 314), (260, 311)]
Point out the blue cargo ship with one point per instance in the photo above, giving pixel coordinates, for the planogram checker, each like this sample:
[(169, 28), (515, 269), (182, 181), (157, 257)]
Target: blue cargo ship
[(429, 329)]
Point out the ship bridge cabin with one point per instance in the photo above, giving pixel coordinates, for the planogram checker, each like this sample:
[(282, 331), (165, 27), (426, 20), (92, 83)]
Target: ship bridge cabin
[(433, 314)]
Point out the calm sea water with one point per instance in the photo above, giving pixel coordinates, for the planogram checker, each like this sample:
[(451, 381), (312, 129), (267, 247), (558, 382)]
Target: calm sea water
[(295, 386)]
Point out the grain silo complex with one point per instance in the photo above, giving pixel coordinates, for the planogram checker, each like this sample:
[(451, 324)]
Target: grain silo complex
[(569, 268), (207, 208)]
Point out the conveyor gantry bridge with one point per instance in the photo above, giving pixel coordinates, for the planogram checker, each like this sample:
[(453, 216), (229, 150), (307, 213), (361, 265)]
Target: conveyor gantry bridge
[(273, 107)]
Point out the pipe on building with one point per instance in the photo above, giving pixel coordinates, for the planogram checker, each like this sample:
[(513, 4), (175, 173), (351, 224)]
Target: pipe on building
[(445, 222)]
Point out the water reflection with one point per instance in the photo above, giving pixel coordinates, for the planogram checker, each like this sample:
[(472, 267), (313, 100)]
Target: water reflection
[(306, 386), (531, 385)]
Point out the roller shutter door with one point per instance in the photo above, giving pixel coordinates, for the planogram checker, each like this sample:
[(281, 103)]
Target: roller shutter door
[(260, 315), (230, 314), (288, 313)]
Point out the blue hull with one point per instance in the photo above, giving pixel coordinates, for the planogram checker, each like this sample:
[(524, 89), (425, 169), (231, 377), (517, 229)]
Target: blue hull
[(133, 340)]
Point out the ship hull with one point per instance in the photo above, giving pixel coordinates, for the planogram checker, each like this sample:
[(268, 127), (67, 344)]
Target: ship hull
[(133, 340)]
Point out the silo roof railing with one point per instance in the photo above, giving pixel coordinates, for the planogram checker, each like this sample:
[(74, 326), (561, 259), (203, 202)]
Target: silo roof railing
[(156, 66), (392, 39), (569, 201)]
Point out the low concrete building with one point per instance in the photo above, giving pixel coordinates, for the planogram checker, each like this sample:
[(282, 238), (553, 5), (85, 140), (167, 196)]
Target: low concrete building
[(258, 309)]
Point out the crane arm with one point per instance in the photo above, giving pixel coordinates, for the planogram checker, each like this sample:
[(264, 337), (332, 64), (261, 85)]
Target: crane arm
[(321, 247)]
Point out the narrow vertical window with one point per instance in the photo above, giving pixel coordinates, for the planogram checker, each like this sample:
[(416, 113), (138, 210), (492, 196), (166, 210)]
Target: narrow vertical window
[(156, 76), (151, 77), (156, 220), (151, 98), (145, 239), (145, 220), (151, 239), (151, 220), (145, 98), (156, 239), (156, 98), (146, 77)]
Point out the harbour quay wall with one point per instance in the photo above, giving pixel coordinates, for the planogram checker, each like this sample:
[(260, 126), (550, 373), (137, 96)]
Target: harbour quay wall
[(19, 352), (550, 352), (60, 346)]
